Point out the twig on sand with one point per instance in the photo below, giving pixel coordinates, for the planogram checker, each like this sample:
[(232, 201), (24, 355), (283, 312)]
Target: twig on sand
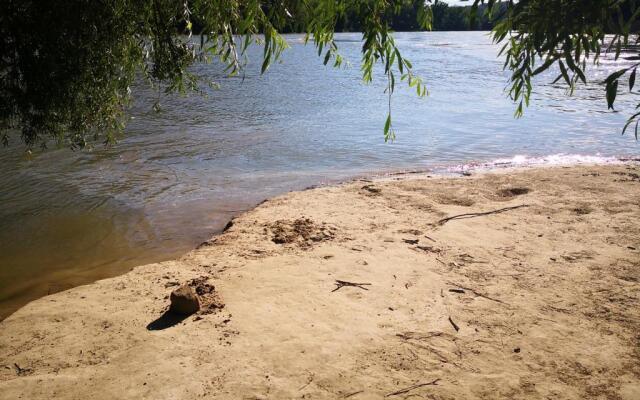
[(340, 284), (410, 388), (352, 394), (472, 215), (479, 294), (21, 371), (413, 335), (308, 382), (428, 249), (456, 327)]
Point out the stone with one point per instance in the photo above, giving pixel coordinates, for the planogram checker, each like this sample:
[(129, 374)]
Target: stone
[(184, 301)]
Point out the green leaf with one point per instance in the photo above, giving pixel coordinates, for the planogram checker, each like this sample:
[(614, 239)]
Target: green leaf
[(581, 74), (615, 75), (629, 121), (544, 66), (387, 125), (612, 91), (400, 61), (632, 79), (565, 75)]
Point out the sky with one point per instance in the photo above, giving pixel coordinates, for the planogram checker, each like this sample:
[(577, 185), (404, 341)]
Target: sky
[(458, 2)]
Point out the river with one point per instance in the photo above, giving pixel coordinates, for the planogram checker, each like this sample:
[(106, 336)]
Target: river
[(70, 218)]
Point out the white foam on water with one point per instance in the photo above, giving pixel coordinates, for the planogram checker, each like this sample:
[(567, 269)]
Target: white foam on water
[(552, 160)]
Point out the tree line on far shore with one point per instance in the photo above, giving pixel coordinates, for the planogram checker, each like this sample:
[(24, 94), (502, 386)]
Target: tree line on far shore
[(407, 19), (445, 18)]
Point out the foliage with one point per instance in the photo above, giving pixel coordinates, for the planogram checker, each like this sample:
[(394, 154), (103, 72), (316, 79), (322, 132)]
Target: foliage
[(446, 18), (405, 17), (572, 34), (67, 68)]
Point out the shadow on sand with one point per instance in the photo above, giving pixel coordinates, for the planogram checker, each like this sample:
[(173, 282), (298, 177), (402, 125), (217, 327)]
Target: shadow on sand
[(166, 320)]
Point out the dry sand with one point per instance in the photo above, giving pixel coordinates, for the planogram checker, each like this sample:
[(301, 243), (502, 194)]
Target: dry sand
[(545, 303)]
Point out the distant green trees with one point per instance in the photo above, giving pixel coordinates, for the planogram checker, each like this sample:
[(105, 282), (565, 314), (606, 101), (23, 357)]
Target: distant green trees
[(404, 17), (445, 18)]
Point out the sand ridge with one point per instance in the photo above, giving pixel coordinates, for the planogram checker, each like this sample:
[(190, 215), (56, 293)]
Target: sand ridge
[(539, 300)]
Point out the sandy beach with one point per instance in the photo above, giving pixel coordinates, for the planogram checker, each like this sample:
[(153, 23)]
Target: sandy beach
[(503, 285)]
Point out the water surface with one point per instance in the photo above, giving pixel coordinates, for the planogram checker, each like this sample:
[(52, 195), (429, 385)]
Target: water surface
[(71, 218)]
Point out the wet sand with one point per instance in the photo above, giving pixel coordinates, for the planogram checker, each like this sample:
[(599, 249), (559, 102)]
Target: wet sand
[(369, 289), (46, 254)]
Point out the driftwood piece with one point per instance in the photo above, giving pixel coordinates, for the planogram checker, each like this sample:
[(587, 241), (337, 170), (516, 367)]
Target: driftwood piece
[(352, 394), (340, 284), (410, 388), (479, 214)]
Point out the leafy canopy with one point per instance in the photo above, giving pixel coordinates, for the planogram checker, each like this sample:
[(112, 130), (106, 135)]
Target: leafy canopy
[(569, 34), (67, 67)]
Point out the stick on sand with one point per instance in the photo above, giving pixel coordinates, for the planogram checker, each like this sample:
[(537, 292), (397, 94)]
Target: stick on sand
[(480, 214)]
